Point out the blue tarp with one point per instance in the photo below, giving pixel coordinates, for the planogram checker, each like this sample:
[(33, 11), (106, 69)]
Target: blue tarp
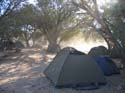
[(107, 65)]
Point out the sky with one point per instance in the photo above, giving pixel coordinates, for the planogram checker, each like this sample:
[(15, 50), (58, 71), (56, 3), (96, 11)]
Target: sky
[(32, 1), (104, 2)]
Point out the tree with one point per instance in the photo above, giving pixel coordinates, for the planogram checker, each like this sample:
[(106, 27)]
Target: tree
[(116, 14), (8, 28), (7, 6), (19, 24), (100, 23), (6, 23), (53, 18), (26, 17)]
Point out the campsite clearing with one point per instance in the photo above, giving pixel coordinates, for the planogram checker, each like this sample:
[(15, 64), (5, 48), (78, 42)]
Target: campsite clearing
[(23, 73)]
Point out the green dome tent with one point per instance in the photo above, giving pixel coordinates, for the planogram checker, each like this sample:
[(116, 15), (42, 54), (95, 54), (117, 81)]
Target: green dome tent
[(69, 69), (98, 51), (73, 51)]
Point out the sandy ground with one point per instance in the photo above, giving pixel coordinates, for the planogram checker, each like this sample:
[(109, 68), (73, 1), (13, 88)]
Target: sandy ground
[(23, 73)]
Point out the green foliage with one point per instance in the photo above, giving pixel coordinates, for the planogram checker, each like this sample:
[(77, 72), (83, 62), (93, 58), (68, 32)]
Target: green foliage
[(53, 18), (59, 20), (116, 16)]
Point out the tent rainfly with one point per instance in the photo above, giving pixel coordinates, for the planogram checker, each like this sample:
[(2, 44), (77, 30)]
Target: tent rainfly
[(98, 51), (69, 69), (107, 65)]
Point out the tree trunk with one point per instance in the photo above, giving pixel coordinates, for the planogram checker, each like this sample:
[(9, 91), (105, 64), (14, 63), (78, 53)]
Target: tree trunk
[(53, 47), (33, 42), (52, 37), (26, 39), (27, 43), (114, 43)]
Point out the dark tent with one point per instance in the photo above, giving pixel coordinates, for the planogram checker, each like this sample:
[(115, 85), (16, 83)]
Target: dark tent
[(98, 51), (10, 45), (6, 45), (107, 65), (73, 51), (19, 44), (69, 69)]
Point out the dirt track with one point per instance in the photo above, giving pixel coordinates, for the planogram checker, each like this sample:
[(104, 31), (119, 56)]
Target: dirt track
[(21, 69)]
